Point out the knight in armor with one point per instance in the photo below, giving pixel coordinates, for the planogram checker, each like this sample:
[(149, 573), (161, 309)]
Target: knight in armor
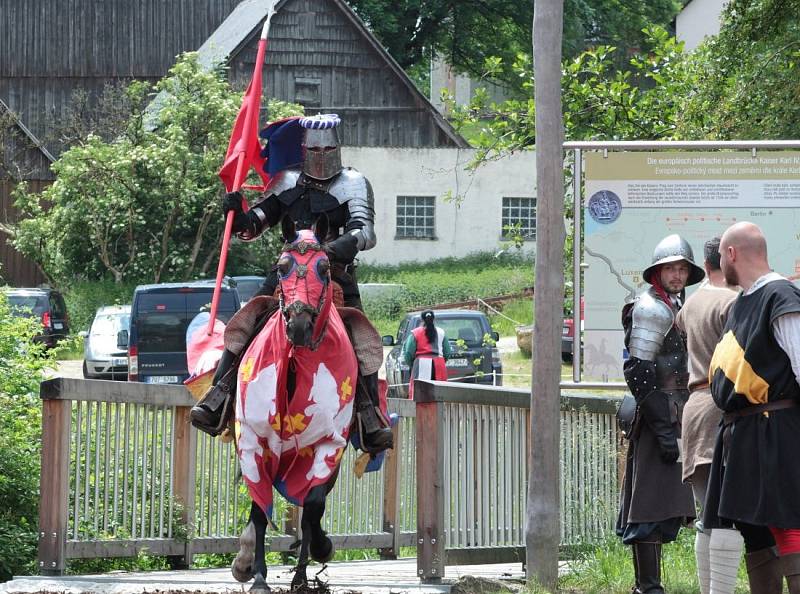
[(655, 502), (317, 185)]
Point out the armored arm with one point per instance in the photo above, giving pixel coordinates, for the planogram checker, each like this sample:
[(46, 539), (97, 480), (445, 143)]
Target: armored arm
[(268, 211), (353, 189), (647, 325)]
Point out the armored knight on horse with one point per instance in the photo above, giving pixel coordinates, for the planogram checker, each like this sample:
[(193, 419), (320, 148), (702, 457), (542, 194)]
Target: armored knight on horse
[(307, 181)]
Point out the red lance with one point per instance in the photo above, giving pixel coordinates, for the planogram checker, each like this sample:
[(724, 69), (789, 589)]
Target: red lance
[(243, 153)]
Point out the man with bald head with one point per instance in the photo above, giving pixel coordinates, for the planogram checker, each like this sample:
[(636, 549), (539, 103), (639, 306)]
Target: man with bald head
[(754, 371)]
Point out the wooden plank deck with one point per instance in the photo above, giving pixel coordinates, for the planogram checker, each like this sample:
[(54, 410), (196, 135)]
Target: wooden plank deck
[(367, 577)]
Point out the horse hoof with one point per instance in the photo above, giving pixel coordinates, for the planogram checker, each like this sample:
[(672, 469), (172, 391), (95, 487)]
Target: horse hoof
[(242, 566), (321, 549), (260, 586), (300, 580)]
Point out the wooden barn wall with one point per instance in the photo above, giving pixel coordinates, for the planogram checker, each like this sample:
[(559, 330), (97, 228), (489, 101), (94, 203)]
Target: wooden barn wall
[(318, 58), (48, 48), (15, 269)]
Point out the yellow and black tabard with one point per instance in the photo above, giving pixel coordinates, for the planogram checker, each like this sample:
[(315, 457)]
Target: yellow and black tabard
[(755, 475)]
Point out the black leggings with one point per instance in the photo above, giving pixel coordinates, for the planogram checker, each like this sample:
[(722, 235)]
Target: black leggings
[(756, 538)]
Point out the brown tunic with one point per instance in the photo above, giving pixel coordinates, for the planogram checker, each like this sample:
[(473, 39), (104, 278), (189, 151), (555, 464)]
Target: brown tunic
[(702, 319)]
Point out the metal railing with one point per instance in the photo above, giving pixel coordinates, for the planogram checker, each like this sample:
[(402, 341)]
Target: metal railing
[(123, 471)]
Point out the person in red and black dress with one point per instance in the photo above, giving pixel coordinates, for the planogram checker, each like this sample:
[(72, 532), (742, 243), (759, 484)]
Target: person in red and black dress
[(425, 351)]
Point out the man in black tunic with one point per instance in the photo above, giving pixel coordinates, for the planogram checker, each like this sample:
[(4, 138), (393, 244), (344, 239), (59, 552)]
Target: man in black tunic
[(755, 474), (655, 502)]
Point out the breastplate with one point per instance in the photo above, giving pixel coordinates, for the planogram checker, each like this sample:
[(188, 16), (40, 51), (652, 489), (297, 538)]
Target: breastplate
[(672, 363)]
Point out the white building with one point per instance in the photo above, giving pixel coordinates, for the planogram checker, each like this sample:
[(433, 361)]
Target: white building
[(697, 20), (416, 221)]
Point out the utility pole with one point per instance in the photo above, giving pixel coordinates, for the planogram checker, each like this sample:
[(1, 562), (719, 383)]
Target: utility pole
[(542, 522)]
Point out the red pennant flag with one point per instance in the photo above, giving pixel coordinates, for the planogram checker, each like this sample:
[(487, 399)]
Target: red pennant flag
[(244, 139)]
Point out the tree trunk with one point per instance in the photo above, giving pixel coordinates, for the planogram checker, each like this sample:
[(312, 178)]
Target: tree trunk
[(542, 522)]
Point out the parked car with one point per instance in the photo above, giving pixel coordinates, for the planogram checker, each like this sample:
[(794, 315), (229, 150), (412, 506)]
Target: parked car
[(568, 336), (160, 315), (103, 358), (248, 286), (477, 361), (45, 304)]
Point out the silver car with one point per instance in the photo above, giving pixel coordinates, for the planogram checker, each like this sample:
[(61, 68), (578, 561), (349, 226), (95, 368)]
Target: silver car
[(103, 358)]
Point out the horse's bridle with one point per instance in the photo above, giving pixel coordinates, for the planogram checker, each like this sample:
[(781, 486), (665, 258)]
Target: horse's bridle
[(302, 273)]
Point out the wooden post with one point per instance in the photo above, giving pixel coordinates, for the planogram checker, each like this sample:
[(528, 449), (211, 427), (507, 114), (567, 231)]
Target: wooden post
[(184, 461), (430, 487), (391, 496), (54, 486), (542, 521)]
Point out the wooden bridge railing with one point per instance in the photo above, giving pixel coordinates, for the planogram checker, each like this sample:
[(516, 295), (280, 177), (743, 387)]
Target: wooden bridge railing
[(472, 462), (123, 471)]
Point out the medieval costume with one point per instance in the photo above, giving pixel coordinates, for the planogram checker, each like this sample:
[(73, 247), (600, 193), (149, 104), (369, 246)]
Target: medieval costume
[(702, 319), (755, 474), (655, 502), (425, 351), (303, 158)]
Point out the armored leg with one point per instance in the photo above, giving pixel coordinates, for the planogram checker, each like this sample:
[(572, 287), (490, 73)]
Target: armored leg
[(376, 435), (207, 412)]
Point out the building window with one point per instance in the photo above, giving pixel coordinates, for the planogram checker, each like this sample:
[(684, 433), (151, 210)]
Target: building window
[(415, 217), (519, 214)]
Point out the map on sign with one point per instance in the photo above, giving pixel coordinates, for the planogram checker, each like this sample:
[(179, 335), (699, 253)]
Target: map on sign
[(633, 200)]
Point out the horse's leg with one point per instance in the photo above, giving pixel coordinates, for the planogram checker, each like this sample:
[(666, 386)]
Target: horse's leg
[(250, 561), (320, 547), (314, 540)]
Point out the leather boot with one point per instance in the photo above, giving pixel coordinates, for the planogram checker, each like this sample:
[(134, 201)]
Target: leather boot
[(635, 588), (207, 412), (790, 566), (376, 435), (764, 571), (648, 561)]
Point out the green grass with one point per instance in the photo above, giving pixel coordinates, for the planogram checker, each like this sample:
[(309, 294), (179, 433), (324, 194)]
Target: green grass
[(608, 569)]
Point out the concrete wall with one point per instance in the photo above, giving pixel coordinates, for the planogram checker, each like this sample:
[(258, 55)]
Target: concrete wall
[(473, 225), (700, 18)]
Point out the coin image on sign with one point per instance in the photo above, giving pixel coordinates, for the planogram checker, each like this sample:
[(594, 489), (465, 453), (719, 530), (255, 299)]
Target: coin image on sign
[(605, 206)]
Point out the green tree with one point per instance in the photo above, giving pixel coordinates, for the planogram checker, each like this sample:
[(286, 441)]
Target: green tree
[(467, 32), (750, 82), (22, 368), (601, 102), (143, 206)]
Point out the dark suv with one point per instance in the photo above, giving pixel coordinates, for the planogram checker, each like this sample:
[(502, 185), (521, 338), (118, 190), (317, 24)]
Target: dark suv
[(475, 360), (45, 304), (160, 316)]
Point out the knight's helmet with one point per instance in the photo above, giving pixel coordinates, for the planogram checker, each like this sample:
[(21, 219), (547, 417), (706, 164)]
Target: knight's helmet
[(323, 157), (674, 248)]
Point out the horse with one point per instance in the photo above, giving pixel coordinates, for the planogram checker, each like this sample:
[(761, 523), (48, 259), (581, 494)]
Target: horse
[(294, 406)]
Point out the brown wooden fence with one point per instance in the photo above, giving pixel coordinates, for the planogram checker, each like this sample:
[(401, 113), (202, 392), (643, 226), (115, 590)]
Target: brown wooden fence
[(123, 471)]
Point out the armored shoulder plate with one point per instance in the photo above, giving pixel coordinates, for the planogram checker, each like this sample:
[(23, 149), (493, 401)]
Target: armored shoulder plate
[(348, 185), (652, 320), (283, 180)]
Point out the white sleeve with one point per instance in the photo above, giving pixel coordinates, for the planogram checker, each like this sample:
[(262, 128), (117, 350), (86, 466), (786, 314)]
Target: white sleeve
[(786, 329)]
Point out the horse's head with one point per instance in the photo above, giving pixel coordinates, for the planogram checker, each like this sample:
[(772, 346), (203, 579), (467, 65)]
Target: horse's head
[(304, 275)]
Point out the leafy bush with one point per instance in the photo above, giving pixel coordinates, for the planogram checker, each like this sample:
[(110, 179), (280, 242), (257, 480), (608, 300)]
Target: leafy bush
[(478, 275), (22, 367), (84, 297)]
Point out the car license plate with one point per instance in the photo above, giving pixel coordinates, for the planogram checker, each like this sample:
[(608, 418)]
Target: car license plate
[(117, 361), (161, 379), (457, 363), (58, 325)]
